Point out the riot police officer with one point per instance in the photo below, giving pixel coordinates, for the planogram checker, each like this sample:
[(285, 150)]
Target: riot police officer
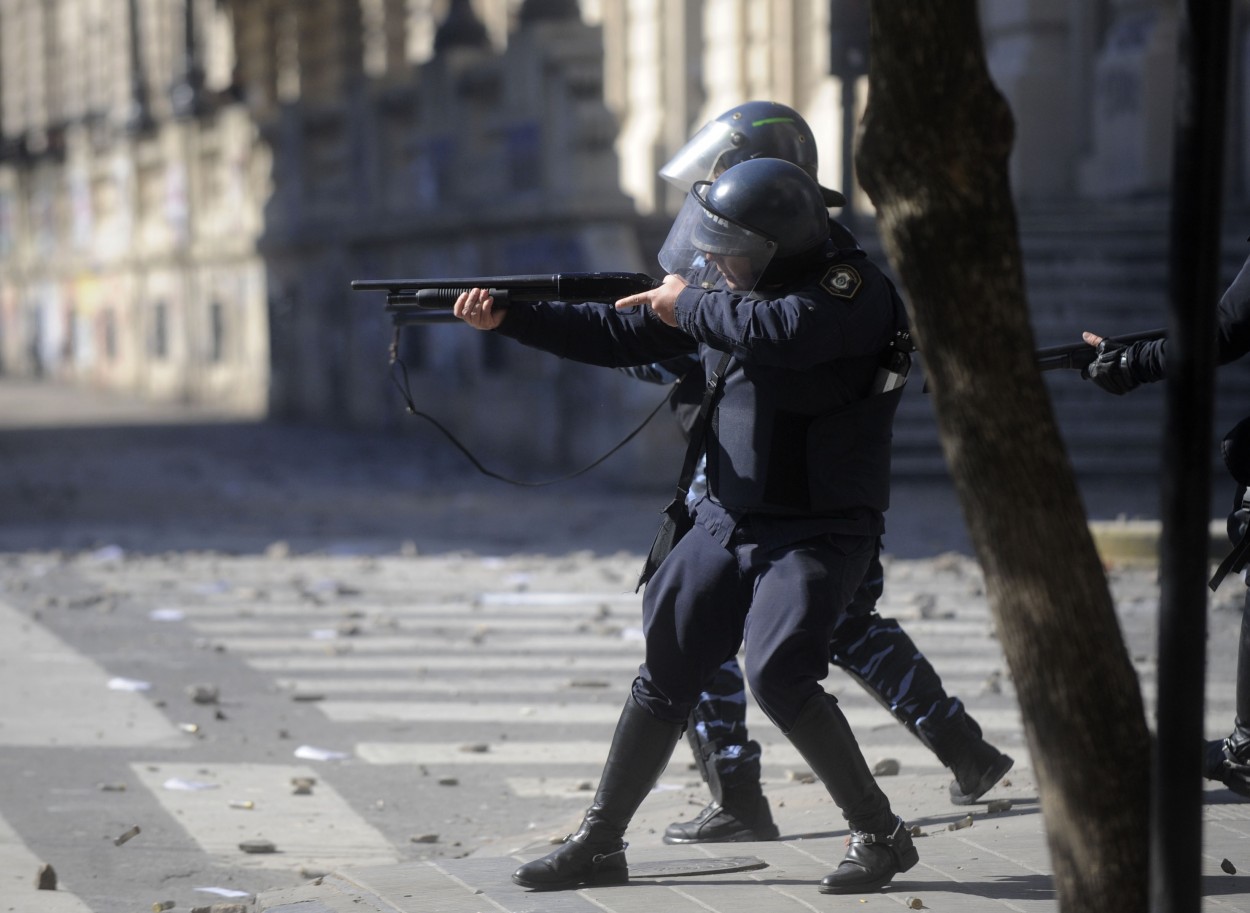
[(1118, 369), (798, 482), (876, 651)]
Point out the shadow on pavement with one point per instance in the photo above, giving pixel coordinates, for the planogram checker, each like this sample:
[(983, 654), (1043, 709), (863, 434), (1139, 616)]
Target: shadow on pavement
[(83, 470)]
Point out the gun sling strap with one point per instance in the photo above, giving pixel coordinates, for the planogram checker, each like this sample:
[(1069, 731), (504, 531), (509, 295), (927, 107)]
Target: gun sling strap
[(677, 520), (1236, 560), (405, 390)]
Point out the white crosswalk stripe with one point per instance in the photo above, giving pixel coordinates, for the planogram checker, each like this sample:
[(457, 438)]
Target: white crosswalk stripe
[(319, 829), (778, 755), (605, 714), (407, 686), (414, 646), (329, 663)]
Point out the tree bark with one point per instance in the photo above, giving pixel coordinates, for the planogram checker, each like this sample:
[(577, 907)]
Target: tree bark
[(932, 156)]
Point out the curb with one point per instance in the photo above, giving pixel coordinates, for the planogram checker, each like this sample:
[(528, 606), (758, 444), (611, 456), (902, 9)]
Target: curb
[(1136, 542)]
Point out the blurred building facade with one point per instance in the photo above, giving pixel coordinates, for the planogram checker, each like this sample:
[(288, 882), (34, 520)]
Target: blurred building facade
[(130, 188), (188, 186)]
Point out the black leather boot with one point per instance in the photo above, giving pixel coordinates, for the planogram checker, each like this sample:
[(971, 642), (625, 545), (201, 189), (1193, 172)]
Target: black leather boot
[(1228, 760), (595, 854), (976, 764), (881, 846), (740, 815), (872, 861), (738, 811)]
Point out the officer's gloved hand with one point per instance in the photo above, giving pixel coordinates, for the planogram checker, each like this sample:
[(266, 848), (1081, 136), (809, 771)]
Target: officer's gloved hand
[(1238, 523), (1239, 519), (1110, 369)]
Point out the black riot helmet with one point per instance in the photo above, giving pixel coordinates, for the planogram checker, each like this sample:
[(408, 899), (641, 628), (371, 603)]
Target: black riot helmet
[(756, 129), (761, 212)]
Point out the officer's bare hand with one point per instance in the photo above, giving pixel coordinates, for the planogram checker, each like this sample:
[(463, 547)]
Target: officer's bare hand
[(661, 300), (1091, 338), (476, 308)]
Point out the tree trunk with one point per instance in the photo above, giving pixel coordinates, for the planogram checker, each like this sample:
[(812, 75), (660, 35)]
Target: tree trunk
[(932, 156)]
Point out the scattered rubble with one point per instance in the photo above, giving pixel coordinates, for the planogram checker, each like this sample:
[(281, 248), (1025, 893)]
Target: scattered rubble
[(886, 767), (303, 786), (258, 845), (45, 878)]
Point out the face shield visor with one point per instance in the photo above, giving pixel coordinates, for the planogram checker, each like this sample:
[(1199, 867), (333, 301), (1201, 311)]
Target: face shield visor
[(718, 146), (700, 158), (701, 238)]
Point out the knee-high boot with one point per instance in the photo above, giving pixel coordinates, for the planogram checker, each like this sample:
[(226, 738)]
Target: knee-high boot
[(881, 846), (1228, 760), (640, 750)]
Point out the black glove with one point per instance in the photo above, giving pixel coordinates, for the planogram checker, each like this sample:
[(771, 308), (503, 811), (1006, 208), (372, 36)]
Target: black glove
[(1238, 523), (1110, 369)]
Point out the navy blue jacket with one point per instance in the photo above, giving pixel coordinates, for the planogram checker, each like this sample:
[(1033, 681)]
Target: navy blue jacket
[(1147, 360), (796, 435)]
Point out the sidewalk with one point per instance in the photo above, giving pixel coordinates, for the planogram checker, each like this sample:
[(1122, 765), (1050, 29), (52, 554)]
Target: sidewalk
[(999, 862)]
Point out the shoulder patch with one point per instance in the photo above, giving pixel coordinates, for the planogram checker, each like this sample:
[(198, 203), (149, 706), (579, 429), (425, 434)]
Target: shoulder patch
[(842, 281)]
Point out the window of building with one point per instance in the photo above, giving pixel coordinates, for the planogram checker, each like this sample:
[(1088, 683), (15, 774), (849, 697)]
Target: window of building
[(216, 332), (159, 339), (432, 173), (287, 53), (108, 332), (71, 349), (373, 16), (523, 143)]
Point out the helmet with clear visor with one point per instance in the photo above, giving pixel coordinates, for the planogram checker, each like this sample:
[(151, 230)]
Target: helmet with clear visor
[(756, 129), (756, 212)]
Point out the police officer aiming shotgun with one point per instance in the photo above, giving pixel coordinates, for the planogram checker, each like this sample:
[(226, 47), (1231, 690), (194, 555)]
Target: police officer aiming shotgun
[(798, 480)]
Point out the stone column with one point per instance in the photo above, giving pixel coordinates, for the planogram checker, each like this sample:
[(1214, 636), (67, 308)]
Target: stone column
[(641, 114), (1131, 103), (256, 54), (1029, 50), (331, 49)]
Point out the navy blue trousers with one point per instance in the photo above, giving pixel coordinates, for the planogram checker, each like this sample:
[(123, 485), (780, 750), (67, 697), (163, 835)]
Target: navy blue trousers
[(786, 600), (874, 650)]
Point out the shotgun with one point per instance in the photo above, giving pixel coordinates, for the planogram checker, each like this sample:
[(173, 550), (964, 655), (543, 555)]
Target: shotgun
[(416, 301)]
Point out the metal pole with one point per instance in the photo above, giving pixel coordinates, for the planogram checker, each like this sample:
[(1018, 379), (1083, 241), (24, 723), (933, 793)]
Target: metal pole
[(1193, 289), (187, 92), (139, 118), (849, 26), (849, 213)]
